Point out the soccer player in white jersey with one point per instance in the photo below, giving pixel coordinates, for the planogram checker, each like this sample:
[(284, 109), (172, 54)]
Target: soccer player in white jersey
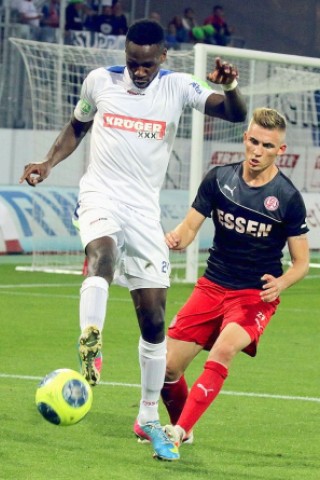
[(134, 112), (256, 210)]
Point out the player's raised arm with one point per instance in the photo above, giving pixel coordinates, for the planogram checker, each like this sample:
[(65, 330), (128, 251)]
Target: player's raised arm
[(230, 106), (184, 233), (66, 142)]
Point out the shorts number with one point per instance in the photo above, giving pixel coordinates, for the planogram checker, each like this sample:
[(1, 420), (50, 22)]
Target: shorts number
[(165, 267)]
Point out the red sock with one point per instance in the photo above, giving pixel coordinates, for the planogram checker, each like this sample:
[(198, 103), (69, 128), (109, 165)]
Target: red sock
[(202, 394), (174, 396), (85, 267)]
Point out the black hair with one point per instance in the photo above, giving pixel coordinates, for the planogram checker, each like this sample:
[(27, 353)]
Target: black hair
[(146, 32)]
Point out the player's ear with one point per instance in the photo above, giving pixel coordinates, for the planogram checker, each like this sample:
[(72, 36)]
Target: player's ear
[(282, 149), (163, 55), (245, 137)]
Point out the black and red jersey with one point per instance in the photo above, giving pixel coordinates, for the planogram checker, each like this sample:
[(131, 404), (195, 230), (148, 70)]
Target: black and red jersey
[(252, 225)]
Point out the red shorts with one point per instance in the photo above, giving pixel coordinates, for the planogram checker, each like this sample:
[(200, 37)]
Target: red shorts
[(211, 307)]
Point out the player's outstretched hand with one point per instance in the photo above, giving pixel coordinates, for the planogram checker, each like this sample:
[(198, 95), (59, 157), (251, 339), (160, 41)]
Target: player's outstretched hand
[(224, 73), (35, 173)]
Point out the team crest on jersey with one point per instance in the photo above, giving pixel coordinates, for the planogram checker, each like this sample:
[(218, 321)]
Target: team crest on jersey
[(271, 203), (145, 129), (85, 106)]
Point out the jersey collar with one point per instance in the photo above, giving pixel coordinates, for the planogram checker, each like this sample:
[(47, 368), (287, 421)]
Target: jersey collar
[(139, 91)]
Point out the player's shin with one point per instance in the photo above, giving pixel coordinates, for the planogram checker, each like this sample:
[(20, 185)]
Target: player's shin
[(93, 302), (174, 396), (203, 392)]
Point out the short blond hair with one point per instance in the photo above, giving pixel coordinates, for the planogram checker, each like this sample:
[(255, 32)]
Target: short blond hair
[(269, 118)]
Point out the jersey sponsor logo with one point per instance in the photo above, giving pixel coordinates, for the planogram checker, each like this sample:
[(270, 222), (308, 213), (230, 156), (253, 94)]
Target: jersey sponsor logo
[(271, 203), (151, 129), (197, 87), (243, 225)]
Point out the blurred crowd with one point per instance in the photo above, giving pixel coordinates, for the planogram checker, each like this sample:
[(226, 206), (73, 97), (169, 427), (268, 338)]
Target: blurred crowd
[(187, 28), (108, 17)]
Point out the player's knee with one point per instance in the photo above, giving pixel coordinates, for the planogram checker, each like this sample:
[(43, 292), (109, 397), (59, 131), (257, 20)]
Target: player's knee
[(172, 374), (154, 334), (223, 353), (152, 327), (173, 370), (101, 263)]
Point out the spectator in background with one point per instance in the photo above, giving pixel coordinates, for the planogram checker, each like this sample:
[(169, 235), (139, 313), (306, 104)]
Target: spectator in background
[(105, 22), (120, 20), (94, 5), (222, 32), (196, 33), (28, 13), (75, 12), (171, 40), (51, 14), (189, 22), (182, 35), (15, 4), (14, 11), (155, 16), (90, 13)]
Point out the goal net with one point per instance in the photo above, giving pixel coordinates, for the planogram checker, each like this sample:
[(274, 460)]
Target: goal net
[(56, 72)]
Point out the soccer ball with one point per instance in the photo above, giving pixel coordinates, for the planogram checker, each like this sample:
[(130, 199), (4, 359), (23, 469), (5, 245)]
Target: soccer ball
[(64, 397)]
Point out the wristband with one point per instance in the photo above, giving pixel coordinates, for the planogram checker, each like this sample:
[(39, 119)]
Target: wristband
[(230, 86)]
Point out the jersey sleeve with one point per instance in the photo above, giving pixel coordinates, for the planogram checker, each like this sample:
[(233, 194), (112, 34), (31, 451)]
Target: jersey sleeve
[(197, 92), (204, 201), (295, 220), (85, 109)]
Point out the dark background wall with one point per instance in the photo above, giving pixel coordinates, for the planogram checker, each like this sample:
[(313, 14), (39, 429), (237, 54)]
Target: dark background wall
[(282, 26)]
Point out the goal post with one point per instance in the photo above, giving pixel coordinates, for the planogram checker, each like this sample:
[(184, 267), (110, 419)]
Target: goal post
[(55, 72), (266, 79)]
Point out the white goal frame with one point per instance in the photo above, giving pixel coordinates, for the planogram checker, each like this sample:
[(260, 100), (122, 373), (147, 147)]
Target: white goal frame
[(290, 75), (200, 70)]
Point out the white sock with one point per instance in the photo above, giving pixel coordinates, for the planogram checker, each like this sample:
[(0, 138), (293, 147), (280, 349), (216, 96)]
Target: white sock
[(93, 302), (152, 357), (181, 433)]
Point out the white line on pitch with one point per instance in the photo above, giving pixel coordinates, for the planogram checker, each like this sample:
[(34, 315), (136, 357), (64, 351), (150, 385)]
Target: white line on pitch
[(223, 392)]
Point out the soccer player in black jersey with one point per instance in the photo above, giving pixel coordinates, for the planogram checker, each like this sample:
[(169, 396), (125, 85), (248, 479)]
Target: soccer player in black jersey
[(256, 210)]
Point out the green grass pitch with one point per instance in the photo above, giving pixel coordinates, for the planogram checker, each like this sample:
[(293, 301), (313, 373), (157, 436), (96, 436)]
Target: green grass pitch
[(265, 425)]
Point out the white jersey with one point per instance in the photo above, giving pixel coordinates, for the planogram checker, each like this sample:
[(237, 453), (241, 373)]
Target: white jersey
[(133, 132), (29, 10)]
